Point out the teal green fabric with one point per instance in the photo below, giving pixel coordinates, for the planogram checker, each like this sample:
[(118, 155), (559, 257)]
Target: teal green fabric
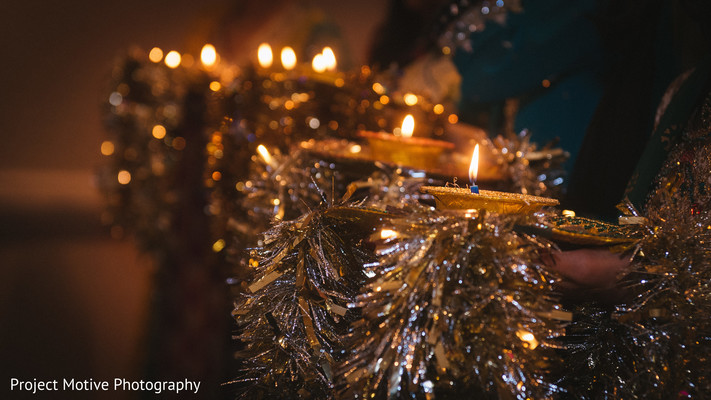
[(668, 133), (551, 40)]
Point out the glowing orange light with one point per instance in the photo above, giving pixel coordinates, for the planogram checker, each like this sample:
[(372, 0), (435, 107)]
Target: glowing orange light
[(264, 55), (158, 131), (438, 109), (155, 55), (319, 63), (474, 166), (408, 126), (218, 245), (264, 153), (528, 338), (107, 148), (388, 234), (453, 118), (378, 88), (288, 58), (329, 58), (215, 86), (208, 55), (124, 177), (410, 99), (172, 59)]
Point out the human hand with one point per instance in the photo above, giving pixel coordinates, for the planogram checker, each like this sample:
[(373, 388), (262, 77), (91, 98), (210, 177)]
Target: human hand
[(589, 273)]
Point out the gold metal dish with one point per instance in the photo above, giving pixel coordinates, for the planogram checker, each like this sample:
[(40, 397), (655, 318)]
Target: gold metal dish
[(418, 152), (500, 202)]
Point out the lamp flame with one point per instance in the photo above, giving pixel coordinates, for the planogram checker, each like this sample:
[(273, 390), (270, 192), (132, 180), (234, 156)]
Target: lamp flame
[(265, 154), (319, 63), (408, 126), (208, 55), (388, 234), (474, 166), (329, 58), (288, 58), (528, 338), (172, 59), (264, 55)]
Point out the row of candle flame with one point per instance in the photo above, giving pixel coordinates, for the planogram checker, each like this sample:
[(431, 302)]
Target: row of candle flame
[(322, 62)]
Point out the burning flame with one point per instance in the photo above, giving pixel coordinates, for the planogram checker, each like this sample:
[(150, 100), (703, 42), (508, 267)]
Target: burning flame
[(319, 63), (388, 234), (474, 166), (528, 338), (264, 55), (329, 58), (172, 59), (408, 126), (208, 55), (265, 154), (288, 58)]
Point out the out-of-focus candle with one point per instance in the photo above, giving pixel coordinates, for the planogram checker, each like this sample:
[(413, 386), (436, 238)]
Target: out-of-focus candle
[(402, 148), (329, 58), (288, 58), (264, 153), (474, 170), (172, 59), (208, 55), (264, 55), (319, 63), (408, 126)]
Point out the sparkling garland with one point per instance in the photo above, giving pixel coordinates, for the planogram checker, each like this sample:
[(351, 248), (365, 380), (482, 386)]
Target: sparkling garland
[(293, 317), (527, 169), (464, 17), (280, 111), (155, 117), (458, 304), (660, 340), (658, 343)]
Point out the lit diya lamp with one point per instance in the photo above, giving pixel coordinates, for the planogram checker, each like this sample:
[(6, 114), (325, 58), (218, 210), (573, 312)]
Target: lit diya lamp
[(474, 198), (403, 149), (323, 68)]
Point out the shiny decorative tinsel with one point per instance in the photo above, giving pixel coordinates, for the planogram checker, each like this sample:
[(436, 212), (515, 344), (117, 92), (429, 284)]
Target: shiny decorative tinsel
[(153, 183), (281, 111), (155, 117), (294, 317), (528, 169), (602, 356), (674, 291), (459, 304), (464, 17), (285, 186), (658, 345)]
